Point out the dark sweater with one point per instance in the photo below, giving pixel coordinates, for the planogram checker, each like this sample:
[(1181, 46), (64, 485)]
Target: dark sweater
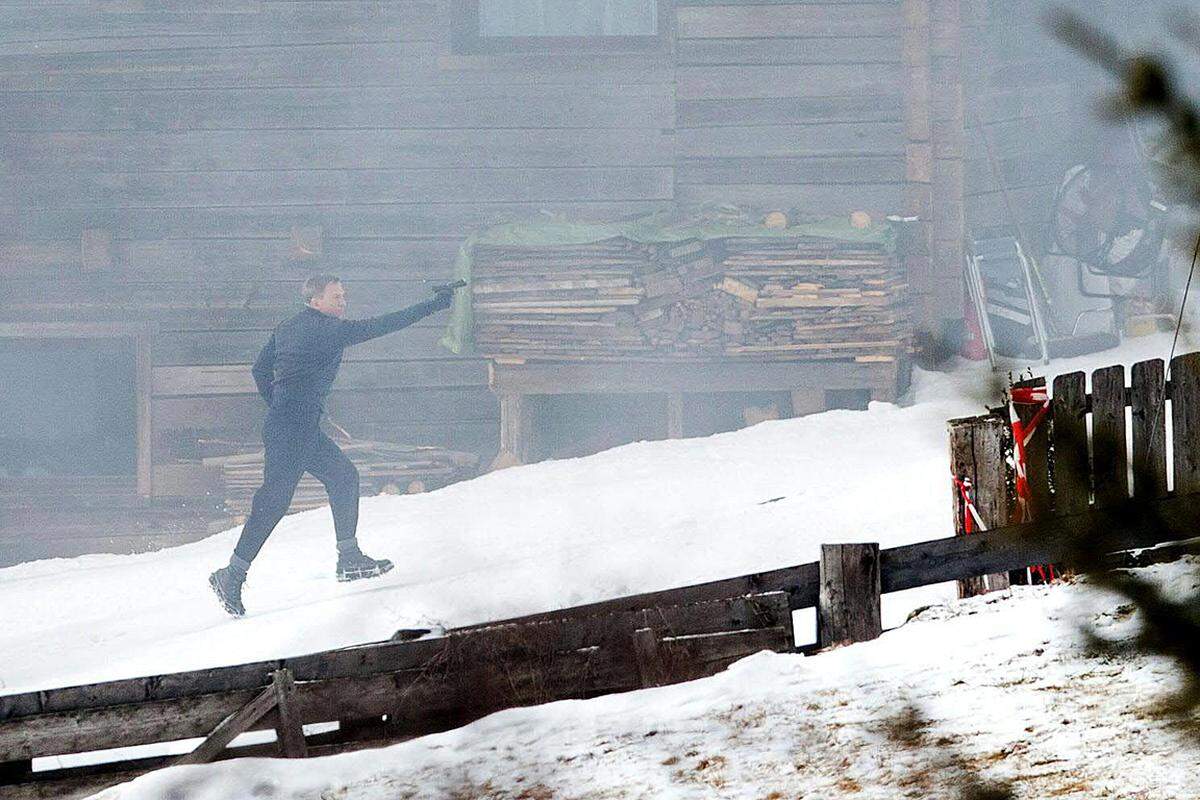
[(301, 359)]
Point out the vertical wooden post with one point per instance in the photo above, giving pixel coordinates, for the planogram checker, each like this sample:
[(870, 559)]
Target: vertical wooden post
[(289, 730), (675, 415), (848, 600), (918, 153), (977, 455), (948, 116), (1185, 421), (652, 670), (145, 415), (1071, 470), (1148, 401), (514, 429), (935, 133), (1109, 461)]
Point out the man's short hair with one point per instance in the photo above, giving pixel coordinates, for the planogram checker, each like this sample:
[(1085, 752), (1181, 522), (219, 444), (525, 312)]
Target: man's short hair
[(315, 286)]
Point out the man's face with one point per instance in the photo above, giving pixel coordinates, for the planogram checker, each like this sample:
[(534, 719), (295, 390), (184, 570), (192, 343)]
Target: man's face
[(332, 301)]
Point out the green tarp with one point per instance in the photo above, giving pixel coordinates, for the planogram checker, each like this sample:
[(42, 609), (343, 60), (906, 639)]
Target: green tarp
[(649, 229)]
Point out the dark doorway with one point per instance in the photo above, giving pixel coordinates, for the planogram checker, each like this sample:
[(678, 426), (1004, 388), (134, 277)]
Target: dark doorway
[(572, 425), (68, 407)]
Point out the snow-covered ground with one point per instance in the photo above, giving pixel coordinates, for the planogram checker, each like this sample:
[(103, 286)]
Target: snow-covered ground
[(1004, 686), (637, 518)]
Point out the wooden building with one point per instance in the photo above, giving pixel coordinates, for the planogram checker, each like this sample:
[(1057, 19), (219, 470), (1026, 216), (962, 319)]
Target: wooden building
[(171, 171)]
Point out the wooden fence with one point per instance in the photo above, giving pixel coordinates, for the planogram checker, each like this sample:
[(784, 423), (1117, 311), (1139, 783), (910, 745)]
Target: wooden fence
[(1091, 450), (385, 692)]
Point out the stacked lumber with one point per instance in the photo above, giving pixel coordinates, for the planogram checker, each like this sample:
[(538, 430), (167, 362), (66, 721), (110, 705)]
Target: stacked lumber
[(382, 467), (799, 298), (816, 298), (578, 301)]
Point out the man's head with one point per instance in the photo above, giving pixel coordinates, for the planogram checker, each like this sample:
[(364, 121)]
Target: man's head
[(326, 294)]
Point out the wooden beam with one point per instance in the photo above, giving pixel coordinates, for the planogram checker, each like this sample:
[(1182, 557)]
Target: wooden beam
[(645, 377), (73, 330), (799, 583), (675, 415), (1109, 465), (652, 669), (1072, 473), (1147, 401), (144, 437), (1125, 527), (977, 466), (1185, 417), (515, 428), (289, 730), (848, 608), (232, 726)]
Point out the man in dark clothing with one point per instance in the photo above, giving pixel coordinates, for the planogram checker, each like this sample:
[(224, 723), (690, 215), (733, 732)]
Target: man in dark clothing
[(294, 373)]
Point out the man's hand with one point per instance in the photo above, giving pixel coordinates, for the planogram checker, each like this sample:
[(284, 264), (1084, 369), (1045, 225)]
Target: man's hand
[(448, 288), (444, 293)]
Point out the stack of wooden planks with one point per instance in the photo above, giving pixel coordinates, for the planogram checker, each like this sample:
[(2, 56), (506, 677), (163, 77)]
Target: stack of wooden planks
[(791, 298), (816, 298), (383, 467)]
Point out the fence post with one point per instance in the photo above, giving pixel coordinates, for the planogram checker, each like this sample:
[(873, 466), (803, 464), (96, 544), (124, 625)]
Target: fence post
[(515, 430), (1109, 465), (848, 600), (1072, 467), (288, 731), (1185, 419), (651, 667), (1148, 396), (977, 455)]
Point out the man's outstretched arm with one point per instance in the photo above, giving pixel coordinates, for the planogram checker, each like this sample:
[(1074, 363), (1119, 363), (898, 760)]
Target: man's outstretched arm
[(264, 369), (354, 331)]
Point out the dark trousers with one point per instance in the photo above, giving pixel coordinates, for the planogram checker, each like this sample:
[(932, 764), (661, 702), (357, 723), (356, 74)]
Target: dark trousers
[(295, 445)]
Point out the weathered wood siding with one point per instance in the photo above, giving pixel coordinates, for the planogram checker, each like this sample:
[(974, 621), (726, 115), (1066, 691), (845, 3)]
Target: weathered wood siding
[(201, 137), (213, 143), (797, 105)]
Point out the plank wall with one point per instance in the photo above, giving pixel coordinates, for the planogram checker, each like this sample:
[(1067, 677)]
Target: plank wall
[(797, 105), (214, 144)]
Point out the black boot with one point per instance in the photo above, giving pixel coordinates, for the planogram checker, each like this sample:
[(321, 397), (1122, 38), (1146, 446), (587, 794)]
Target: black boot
[(353, 565), (227, 583)]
